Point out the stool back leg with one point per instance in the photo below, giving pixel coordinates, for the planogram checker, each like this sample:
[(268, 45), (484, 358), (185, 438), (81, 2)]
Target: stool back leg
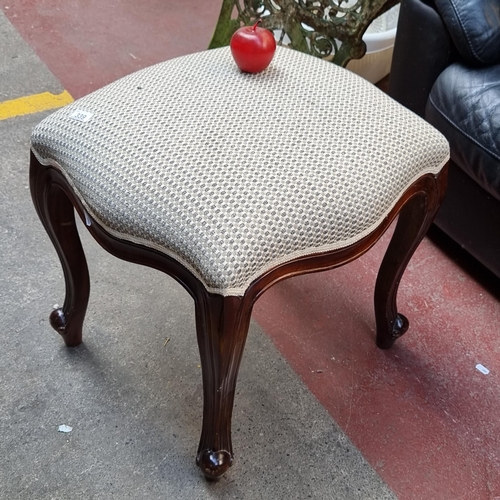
[(58, 217), (222, 326), (415, 218)]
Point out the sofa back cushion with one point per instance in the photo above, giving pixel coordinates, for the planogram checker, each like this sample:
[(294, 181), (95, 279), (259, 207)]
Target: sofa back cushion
[(474, 26)]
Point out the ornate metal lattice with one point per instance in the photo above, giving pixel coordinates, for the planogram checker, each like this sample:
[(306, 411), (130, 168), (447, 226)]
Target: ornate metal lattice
[(330, 29)]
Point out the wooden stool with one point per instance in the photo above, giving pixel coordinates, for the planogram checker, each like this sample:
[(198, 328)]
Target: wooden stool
[(229, 183)]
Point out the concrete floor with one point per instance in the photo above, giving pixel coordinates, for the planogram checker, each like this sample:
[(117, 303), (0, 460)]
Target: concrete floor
[(320, 411), (134, 403)]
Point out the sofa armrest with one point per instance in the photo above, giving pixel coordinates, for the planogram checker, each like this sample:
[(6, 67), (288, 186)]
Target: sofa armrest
[(422, 51), (474, 27)]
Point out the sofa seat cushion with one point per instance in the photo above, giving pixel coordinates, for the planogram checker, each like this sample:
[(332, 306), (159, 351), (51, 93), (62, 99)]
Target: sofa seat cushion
[(464, 105), (232, 174)]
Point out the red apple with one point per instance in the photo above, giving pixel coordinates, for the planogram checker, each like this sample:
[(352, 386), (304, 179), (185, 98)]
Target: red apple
[(253, 48)]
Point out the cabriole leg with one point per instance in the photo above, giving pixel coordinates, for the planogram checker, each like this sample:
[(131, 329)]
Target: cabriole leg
[(222, 327), (414, 220), (58, 217)]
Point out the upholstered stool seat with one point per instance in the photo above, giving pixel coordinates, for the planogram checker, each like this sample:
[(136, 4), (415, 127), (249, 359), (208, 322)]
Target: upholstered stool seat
[(230, 182)]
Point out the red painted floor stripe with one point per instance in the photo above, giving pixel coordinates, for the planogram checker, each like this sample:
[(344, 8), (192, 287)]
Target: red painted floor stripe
[(421, 413), (89, 44)]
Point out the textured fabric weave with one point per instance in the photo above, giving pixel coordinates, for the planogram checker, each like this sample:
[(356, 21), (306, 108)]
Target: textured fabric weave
[(231, 173)]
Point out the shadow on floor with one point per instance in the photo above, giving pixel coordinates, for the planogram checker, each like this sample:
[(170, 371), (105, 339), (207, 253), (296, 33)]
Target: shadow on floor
[(467, 262)]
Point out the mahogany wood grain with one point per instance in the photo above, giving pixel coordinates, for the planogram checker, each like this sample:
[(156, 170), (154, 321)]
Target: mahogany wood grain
[(222, 322)]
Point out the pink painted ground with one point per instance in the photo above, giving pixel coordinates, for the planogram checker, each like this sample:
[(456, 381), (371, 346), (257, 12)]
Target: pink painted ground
[(89, 43), (421, 413)]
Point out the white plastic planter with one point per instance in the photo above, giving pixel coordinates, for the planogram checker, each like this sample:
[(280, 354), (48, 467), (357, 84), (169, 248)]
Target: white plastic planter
[(379, 39)]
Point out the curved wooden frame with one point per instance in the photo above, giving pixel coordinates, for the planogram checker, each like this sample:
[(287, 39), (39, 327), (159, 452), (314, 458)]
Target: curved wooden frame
[(222, 322)]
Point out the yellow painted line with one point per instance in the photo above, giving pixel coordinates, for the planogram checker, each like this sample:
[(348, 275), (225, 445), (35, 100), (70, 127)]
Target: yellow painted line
[(33, 104)]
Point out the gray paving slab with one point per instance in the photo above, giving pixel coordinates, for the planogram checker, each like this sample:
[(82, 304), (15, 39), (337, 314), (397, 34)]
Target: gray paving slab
[(134, 403), (22, 72)]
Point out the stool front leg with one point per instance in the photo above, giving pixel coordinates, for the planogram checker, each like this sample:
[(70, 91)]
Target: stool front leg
[(58, 217), (222, 328), (415, 218)]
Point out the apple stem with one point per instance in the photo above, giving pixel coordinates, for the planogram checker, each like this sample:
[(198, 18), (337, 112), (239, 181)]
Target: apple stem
[(255, 25)]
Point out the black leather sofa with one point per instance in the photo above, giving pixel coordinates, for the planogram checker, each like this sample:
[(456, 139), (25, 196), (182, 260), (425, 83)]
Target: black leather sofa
[(446, 68)]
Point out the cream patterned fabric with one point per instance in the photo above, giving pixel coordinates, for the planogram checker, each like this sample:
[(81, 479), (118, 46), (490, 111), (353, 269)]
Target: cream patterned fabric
[(232, 174)]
